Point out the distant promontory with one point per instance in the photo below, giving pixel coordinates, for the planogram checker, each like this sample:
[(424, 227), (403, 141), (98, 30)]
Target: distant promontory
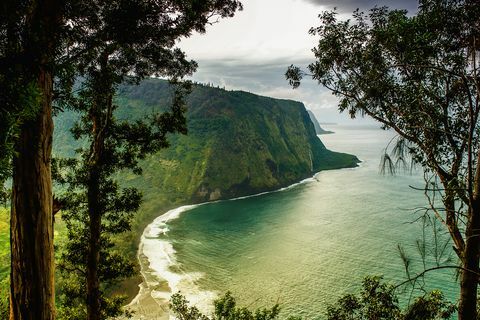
[(318, 128)]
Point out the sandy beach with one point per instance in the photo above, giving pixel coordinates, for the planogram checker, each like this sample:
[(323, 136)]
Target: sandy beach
[(144, 306), (161, 274)]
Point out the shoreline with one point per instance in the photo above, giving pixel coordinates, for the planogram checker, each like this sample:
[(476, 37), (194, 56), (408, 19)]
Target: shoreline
[(157, 257)]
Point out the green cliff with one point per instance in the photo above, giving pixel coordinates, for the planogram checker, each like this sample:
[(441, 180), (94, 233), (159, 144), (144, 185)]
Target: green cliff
[(238, 144)]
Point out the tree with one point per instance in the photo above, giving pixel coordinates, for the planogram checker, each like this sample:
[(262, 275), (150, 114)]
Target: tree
[(417, 75), (94, 206), (29, 39), (225, 309), (133, 39), (378, 300), (42, 42)]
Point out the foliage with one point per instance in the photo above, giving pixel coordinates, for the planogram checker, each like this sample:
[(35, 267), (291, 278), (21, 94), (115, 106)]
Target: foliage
[(19, 94), (225, 309), (431, 306), (114, 266), (417, 75), (19, 103), (378, 301), (134, 39)]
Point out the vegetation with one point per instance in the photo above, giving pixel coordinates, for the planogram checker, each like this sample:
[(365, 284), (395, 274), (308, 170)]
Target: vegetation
[(225, 309), (417, 75), (376, 301), (238, 143), (47, 41)]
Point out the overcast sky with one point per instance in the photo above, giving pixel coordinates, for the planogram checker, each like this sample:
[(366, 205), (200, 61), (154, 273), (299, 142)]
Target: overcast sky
[(252, 50)]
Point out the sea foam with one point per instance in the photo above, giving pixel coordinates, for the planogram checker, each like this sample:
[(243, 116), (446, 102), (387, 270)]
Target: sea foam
[(157, 261)]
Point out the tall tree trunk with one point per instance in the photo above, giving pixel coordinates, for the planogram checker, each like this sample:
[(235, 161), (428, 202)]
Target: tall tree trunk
[(467, 309), (95, 212), (93, 281), (32, 293)]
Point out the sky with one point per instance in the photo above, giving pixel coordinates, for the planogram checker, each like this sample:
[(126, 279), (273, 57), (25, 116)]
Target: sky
[(252, 50)]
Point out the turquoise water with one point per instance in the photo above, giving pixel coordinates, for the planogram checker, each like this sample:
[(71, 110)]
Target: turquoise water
[(306, 246)]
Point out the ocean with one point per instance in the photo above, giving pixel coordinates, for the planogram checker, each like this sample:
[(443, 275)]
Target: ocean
[(306, 245)]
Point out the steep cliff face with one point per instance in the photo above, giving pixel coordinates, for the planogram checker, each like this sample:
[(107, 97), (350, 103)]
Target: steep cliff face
[(318, 128), (238, 144)]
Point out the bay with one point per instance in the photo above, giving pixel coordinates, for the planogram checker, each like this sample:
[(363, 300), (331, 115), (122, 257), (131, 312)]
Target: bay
[(305, 246)]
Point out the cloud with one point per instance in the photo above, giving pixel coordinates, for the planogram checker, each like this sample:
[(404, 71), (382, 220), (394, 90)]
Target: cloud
[(258, 32), (252, 51), (348, 6), (264, 78)]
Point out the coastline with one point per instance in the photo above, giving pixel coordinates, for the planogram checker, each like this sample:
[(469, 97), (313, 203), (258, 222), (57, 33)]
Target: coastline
[(156, 257)]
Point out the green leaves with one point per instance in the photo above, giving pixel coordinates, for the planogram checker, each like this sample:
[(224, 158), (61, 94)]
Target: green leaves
[(431, 306), (225, 309), (378, 301), (179, 305), (115, 42), (294, 76)]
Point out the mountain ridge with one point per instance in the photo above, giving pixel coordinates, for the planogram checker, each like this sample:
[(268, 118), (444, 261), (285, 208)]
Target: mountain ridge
[(239, 144)]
